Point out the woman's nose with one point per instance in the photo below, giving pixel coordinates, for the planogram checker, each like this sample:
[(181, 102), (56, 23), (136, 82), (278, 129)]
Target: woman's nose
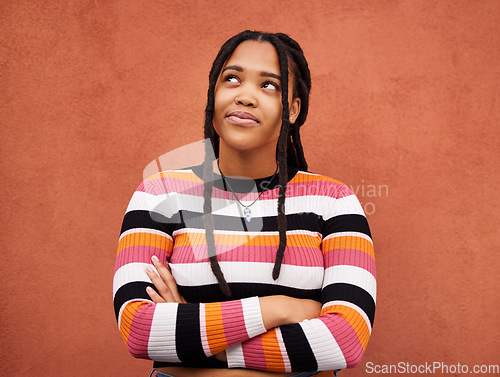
[(245, 100)]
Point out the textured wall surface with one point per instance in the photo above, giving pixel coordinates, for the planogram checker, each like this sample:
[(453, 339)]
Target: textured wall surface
[(404, 109)]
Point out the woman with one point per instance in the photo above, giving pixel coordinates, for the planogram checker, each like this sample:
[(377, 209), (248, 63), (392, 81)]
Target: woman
[(245, 286)]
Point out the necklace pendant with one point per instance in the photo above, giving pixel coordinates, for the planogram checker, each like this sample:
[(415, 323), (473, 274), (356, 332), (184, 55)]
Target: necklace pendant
[(248, 214)]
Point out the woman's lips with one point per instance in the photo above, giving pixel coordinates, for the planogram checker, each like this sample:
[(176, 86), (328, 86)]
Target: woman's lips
[(242, 118)]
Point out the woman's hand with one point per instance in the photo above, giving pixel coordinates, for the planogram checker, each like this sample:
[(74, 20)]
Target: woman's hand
[(164, 283)]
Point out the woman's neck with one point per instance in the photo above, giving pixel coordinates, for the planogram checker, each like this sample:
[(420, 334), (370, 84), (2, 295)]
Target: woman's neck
[(249, 165)]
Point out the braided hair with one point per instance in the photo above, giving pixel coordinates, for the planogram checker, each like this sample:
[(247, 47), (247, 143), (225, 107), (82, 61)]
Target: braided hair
[(289, 148)]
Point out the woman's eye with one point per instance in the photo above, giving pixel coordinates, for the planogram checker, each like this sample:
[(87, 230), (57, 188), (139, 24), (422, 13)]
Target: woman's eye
[(270, 85), (232, 79)]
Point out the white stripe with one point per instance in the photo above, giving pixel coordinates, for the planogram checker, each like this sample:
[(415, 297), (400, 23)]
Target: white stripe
[(244, 232), (170, 203), (352, 306), (301, 231), (145, 230), (131, 272), (235, 358), (352, 275), (324, 346), (203, 331), (166, 204), (348, 205), (161, 345), (307, 173), (302, 277), (348, 234), (142, 201), (284, 354), (252, 315)]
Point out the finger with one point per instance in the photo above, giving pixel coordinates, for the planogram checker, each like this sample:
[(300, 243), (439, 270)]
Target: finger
[(167, 277), (160, 285), (154, 296)]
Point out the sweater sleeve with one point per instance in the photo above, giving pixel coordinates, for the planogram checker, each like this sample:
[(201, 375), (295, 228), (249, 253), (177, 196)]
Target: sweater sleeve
[(169, 332), (336, 339)]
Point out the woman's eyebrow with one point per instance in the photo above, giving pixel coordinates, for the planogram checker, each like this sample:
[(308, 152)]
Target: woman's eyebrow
[(240, 69)]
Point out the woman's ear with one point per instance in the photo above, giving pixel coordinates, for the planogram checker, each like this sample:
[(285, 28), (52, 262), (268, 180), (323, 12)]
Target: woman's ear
[(294, 110)]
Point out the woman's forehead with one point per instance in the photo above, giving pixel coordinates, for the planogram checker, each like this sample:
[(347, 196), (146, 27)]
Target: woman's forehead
[(255, 56)]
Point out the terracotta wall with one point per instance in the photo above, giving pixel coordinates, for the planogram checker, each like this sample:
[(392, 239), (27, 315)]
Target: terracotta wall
[(404, 109)]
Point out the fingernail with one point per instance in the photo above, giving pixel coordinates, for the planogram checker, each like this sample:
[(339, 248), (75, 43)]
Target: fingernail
[(154, 258), (149, 269), (149, 289)]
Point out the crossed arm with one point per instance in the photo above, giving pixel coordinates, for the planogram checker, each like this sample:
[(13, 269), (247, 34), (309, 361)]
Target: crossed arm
[(276, 311)]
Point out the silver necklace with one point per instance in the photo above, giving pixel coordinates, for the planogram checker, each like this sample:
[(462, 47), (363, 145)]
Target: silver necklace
[(247, 211)]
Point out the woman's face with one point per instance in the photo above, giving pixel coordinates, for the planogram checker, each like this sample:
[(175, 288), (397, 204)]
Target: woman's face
[(247, 111)]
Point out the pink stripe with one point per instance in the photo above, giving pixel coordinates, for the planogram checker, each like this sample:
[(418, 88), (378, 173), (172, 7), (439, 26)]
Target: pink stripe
[(350, 257), (346, 337), (343, 192), (253, 354), (141, 187), (320, 186), (295, 256), (284, 355), (140, 330), (233, 322), (139, 254), (147, 186)]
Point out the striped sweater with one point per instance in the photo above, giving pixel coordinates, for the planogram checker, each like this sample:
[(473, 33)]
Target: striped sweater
[(329, 258)]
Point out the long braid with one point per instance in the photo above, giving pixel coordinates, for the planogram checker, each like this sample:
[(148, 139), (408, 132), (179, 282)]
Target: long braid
[(302, 88), (282, 155), (283, 141), (288, 52)]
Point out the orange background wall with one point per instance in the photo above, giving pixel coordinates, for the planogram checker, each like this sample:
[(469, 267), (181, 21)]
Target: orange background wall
[(404, 101)]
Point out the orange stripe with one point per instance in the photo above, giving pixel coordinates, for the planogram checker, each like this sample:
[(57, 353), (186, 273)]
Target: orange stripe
[(301, 177), (213, 320), (191, 177), (272, 353), (184, 176), (144, 239), (302, 240), (355, 319), (348, 242), (127, 316)]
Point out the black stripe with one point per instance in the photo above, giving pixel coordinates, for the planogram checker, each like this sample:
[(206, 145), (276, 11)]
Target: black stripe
[(187, 333), (130, 291), (245, 185), (144, 219), (297, 347), (351, 293), (207, 362), (347, 223), (212, 293), (300, 221), (150, 220)]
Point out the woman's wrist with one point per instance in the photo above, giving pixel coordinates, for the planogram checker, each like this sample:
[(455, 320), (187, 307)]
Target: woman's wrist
[(274, 310), (283, 310)]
